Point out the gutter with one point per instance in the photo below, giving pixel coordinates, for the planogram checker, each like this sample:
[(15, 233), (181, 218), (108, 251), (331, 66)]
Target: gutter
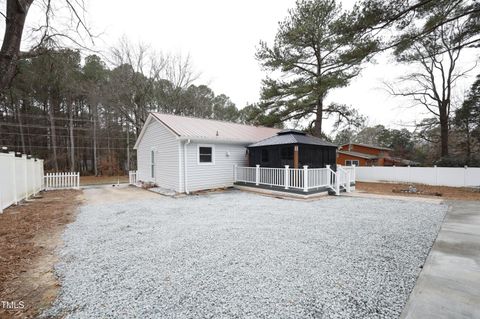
[(214, 140), (185, 177)]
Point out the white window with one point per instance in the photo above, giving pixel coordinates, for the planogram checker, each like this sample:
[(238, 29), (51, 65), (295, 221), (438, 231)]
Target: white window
[(152, 163), (351, 162), (206, 154)]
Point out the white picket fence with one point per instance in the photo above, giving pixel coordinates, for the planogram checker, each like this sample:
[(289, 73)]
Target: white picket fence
[(305, 178), (20, 178), (441, 176), (62, 180)]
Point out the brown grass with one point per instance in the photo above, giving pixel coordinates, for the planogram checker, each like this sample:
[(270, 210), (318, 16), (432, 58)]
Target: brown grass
[(99, 180), (29, 235), (445, 192)]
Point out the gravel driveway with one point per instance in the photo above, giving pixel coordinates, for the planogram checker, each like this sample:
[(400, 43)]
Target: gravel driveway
[(240, 255)]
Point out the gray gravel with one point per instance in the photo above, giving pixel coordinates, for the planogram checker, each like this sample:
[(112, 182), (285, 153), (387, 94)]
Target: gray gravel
[(240, 255)]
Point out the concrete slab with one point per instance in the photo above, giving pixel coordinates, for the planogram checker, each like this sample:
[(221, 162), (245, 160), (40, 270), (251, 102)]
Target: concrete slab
[(276, 193), (449, 284), (396, 197)]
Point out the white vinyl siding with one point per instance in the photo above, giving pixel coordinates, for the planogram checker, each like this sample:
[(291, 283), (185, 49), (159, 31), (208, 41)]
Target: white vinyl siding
[(216, 174), (166, 157)]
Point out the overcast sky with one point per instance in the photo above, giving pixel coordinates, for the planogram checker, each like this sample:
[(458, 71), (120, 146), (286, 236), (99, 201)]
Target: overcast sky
[(221, 37)]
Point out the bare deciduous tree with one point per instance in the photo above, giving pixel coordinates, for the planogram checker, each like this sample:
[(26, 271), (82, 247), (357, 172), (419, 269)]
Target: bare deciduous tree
[(432, 86), (48, 35)]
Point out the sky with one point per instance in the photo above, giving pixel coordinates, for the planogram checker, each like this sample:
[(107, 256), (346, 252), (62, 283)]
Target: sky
[(221, 38)]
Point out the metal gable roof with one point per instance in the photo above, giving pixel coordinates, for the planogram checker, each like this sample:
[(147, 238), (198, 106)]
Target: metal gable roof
[(292, 137), (212, 130), (369, 146), (358, 154)]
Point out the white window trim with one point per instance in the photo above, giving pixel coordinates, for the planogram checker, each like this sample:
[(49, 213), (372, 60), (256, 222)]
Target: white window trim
[(213, 154), (154, 164), (352, 162)]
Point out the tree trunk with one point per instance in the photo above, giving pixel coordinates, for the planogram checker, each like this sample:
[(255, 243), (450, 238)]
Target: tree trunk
[(72, 139), (468, 144), (95, 161), (317, 130), (128, 145), (443, 132), (16, 14), (51, 114), (20, 126)]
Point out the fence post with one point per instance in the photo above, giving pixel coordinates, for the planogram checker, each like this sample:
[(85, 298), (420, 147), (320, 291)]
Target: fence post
[(354, 173), (348, 181), (287, 176), (42, 174), (436, 174), (257, 174), (34, 177), (305, 178), (465, 176), (14, 162), (235, 173), (24, 156)]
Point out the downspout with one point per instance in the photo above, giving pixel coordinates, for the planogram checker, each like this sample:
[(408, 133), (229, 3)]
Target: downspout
[(185, 177)]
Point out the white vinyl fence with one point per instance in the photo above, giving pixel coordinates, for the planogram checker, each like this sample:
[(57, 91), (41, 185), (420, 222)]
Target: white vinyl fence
[(63, 180), (20, 178), (441, 176), (305, 178)]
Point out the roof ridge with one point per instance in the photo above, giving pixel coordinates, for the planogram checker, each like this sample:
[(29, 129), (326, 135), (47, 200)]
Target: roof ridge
[(367, 145), (213, 120)]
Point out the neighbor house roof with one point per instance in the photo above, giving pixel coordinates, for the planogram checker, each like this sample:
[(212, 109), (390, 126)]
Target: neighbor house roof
[(292, 137), (358, 154), (369, 145), (185, 127)]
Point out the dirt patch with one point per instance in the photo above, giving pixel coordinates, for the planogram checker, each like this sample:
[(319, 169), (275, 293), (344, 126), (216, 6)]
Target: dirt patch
[(123, 193), (460, 193), (99, 180), (29, 235)]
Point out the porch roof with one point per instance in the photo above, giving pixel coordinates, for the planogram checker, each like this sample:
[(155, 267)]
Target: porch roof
[(292, 137)]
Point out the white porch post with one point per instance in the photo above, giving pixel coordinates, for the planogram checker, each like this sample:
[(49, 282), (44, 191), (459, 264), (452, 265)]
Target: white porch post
[(257, 174), (234, 173), (329, 175), (305, 178), (287, 175)]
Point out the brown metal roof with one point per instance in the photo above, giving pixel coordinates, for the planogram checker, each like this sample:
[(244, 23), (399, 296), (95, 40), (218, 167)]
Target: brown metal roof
[(358, 154), (370, 146), (196, 128)]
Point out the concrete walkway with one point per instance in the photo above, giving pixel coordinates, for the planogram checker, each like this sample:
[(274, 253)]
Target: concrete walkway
[(449, 284)]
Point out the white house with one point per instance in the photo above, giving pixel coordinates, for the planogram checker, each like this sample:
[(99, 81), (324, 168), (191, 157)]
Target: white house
[(188, 154)]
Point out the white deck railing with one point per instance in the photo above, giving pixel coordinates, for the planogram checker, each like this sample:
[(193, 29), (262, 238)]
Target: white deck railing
[(63, 180), (297, 178)]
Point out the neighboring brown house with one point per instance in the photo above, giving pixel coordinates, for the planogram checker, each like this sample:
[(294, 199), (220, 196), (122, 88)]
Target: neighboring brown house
[(368, 155)]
